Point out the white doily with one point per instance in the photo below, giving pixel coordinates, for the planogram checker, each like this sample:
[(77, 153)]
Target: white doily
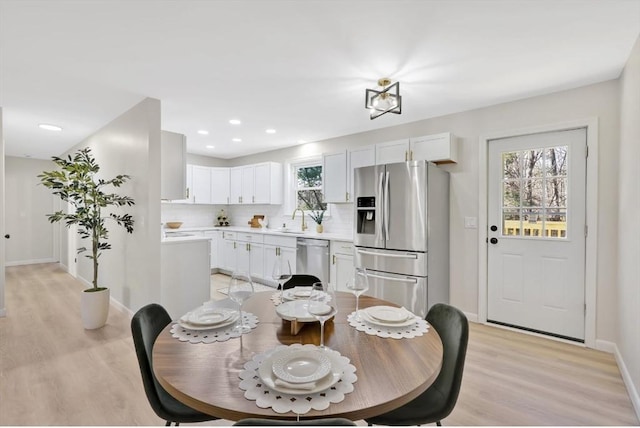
[(302, 403), (418, 329), (212, 335)]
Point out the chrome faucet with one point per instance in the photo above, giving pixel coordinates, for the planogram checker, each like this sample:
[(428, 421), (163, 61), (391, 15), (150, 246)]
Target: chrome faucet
[(303, 226)]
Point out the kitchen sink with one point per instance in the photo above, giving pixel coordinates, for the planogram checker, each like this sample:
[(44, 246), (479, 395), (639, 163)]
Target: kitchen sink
[(297, 232)]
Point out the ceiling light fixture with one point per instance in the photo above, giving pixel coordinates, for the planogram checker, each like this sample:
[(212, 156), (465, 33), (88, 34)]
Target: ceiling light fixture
[(236, 140), (203, 132), (387, 100), (49, 127), (235, 122), (270, 131)]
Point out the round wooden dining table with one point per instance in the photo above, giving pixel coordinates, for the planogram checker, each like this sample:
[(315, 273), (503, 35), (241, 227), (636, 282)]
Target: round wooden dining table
[(391, 372)]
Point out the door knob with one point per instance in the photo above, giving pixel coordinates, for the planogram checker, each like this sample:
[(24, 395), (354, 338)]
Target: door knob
[(7, 236), (494, 228), (494, 240)]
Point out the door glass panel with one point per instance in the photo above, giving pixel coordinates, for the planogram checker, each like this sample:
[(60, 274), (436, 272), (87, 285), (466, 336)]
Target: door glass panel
[(534, 193)]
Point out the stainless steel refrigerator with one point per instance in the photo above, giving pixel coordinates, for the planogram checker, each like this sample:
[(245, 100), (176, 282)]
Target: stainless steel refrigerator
[(402, 232)]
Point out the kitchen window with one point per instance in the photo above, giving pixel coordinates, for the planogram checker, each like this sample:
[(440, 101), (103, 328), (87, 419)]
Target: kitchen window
[(306, 185)]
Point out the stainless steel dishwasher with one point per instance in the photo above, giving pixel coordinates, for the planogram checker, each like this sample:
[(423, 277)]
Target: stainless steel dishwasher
[(313, 258)]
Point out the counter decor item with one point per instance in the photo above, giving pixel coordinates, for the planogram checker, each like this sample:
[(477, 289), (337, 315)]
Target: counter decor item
[(255, 222), (222, 218), (317, 216), (76, 183), (174, 224)]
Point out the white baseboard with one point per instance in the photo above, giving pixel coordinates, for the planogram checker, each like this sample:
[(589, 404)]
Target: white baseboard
[(30, 262), (628, 382), (471, 317), (606, 346), (122, 308)]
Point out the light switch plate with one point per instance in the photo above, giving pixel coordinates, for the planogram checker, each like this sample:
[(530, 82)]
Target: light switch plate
[(470, 222)]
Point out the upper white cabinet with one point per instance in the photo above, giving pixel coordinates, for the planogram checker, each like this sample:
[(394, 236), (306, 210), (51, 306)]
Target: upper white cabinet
[(220, 185), (392, 152), (201, 188), (337, 169), (438, 148), (256, 184), (334, 177), (173, 172)]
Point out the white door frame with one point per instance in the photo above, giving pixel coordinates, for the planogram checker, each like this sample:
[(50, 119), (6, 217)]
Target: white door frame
[(591, 216)]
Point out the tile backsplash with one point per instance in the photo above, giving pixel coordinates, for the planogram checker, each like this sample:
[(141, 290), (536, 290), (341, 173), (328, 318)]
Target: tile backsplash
[(340, 219)]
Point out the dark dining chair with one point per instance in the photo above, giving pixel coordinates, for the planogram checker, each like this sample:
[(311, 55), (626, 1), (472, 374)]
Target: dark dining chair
[(146, 325), (437, 402), (300, 280), (334, 422)]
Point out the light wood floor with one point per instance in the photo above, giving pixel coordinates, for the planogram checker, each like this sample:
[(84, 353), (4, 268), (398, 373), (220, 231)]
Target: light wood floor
[(53, 372)]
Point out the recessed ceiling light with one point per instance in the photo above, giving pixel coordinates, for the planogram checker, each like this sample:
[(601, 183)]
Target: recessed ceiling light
[(235, 122), (270, 131), (203, 132), (49, 127), (236, 140), (211, 147)]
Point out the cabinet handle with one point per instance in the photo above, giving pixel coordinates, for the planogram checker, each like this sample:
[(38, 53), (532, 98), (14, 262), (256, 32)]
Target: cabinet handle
[(334, 259), (411, 157), (406, 155), (253, 199), (248, 247), (187, 193), (227, 200), (346, 196), (234, 245), (277, 251)]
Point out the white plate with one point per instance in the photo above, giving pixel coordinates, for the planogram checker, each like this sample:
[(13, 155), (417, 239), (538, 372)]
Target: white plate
[(186, 324), (388, 314), (366, 317), (301, 365), (266, 375), (296, 293), (210, 316), (295, 310)]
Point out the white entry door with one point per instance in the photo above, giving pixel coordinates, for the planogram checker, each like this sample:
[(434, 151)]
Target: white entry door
[(537, 228)]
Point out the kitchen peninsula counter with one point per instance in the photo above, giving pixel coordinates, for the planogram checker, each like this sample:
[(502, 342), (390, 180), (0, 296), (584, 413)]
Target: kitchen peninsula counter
[(268, 231)]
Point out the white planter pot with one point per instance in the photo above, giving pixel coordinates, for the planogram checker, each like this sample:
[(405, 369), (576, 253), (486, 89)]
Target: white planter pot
[(94, 307)]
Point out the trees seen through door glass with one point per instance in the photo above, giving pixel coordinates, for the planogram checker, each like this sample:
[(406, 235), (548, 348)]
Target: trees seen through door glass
[(534, 193)]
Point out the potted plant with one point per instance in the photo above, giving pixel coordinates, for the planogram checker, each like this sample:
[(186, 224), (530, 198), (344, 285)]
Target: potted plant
[(76, 183), (317, 216)]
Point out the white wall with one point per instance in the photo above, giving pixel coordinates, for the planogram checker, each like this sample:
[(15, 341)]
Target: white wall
[(2, 232), (130, 144), (628, 339), (33, 237), (599, 100)]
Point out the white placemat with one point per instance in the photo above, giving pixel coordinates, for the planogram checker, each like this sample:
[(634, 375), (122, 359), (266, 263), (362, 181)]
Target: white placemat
[(302, 403), (418, 329), (212, 335)]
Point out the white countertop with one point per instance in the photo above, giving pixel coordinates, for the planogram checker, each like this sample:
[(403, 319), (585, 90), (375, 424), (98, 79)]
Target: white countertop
[(290, 232)]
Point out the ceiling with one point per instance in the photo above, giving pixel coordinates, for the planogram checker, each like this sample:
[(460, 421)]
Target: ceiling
[(299, 67)]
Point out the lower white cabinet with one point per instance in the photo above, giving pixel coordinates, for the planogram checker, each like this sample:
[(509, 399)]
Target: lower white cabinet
[(215, 237), (342, 264), (244, 252), (275, 248)]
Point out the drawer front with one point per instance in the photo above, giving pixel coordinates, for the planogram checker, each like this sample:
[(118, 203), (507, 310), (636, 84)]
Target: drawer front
[(280, 241), (342, 247), (231, 236), (249, 237)]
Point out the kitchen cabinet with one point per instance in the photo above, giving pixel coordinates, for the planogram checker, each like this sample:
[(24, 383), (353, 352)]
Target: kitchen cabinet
[(342, 264), (215, 238), (438, 148), (228, 261), (257, 184), (173, 166), (220, 185), (337, 172), (244, 252), (201, 186), (276, 247), (392, 151), (334, 177)]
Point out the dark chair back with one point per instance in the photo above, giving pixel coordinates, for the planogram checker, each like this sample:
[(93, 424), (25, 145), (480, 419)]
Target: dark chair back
[(437, 402), (300, 280), (146, 325)]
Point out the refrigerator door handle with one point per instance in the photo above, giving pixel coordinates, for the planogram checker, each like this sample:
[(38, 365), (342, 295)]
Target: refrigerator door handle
[(386, 207), (391, 278), (397, 256), (380, 206)]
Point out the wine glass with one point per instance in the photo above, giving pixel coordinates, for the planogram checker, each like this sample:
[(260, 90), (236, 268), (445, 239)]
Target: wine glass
[(240, 289), (358, 285), (322, 305), (281, 273)]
